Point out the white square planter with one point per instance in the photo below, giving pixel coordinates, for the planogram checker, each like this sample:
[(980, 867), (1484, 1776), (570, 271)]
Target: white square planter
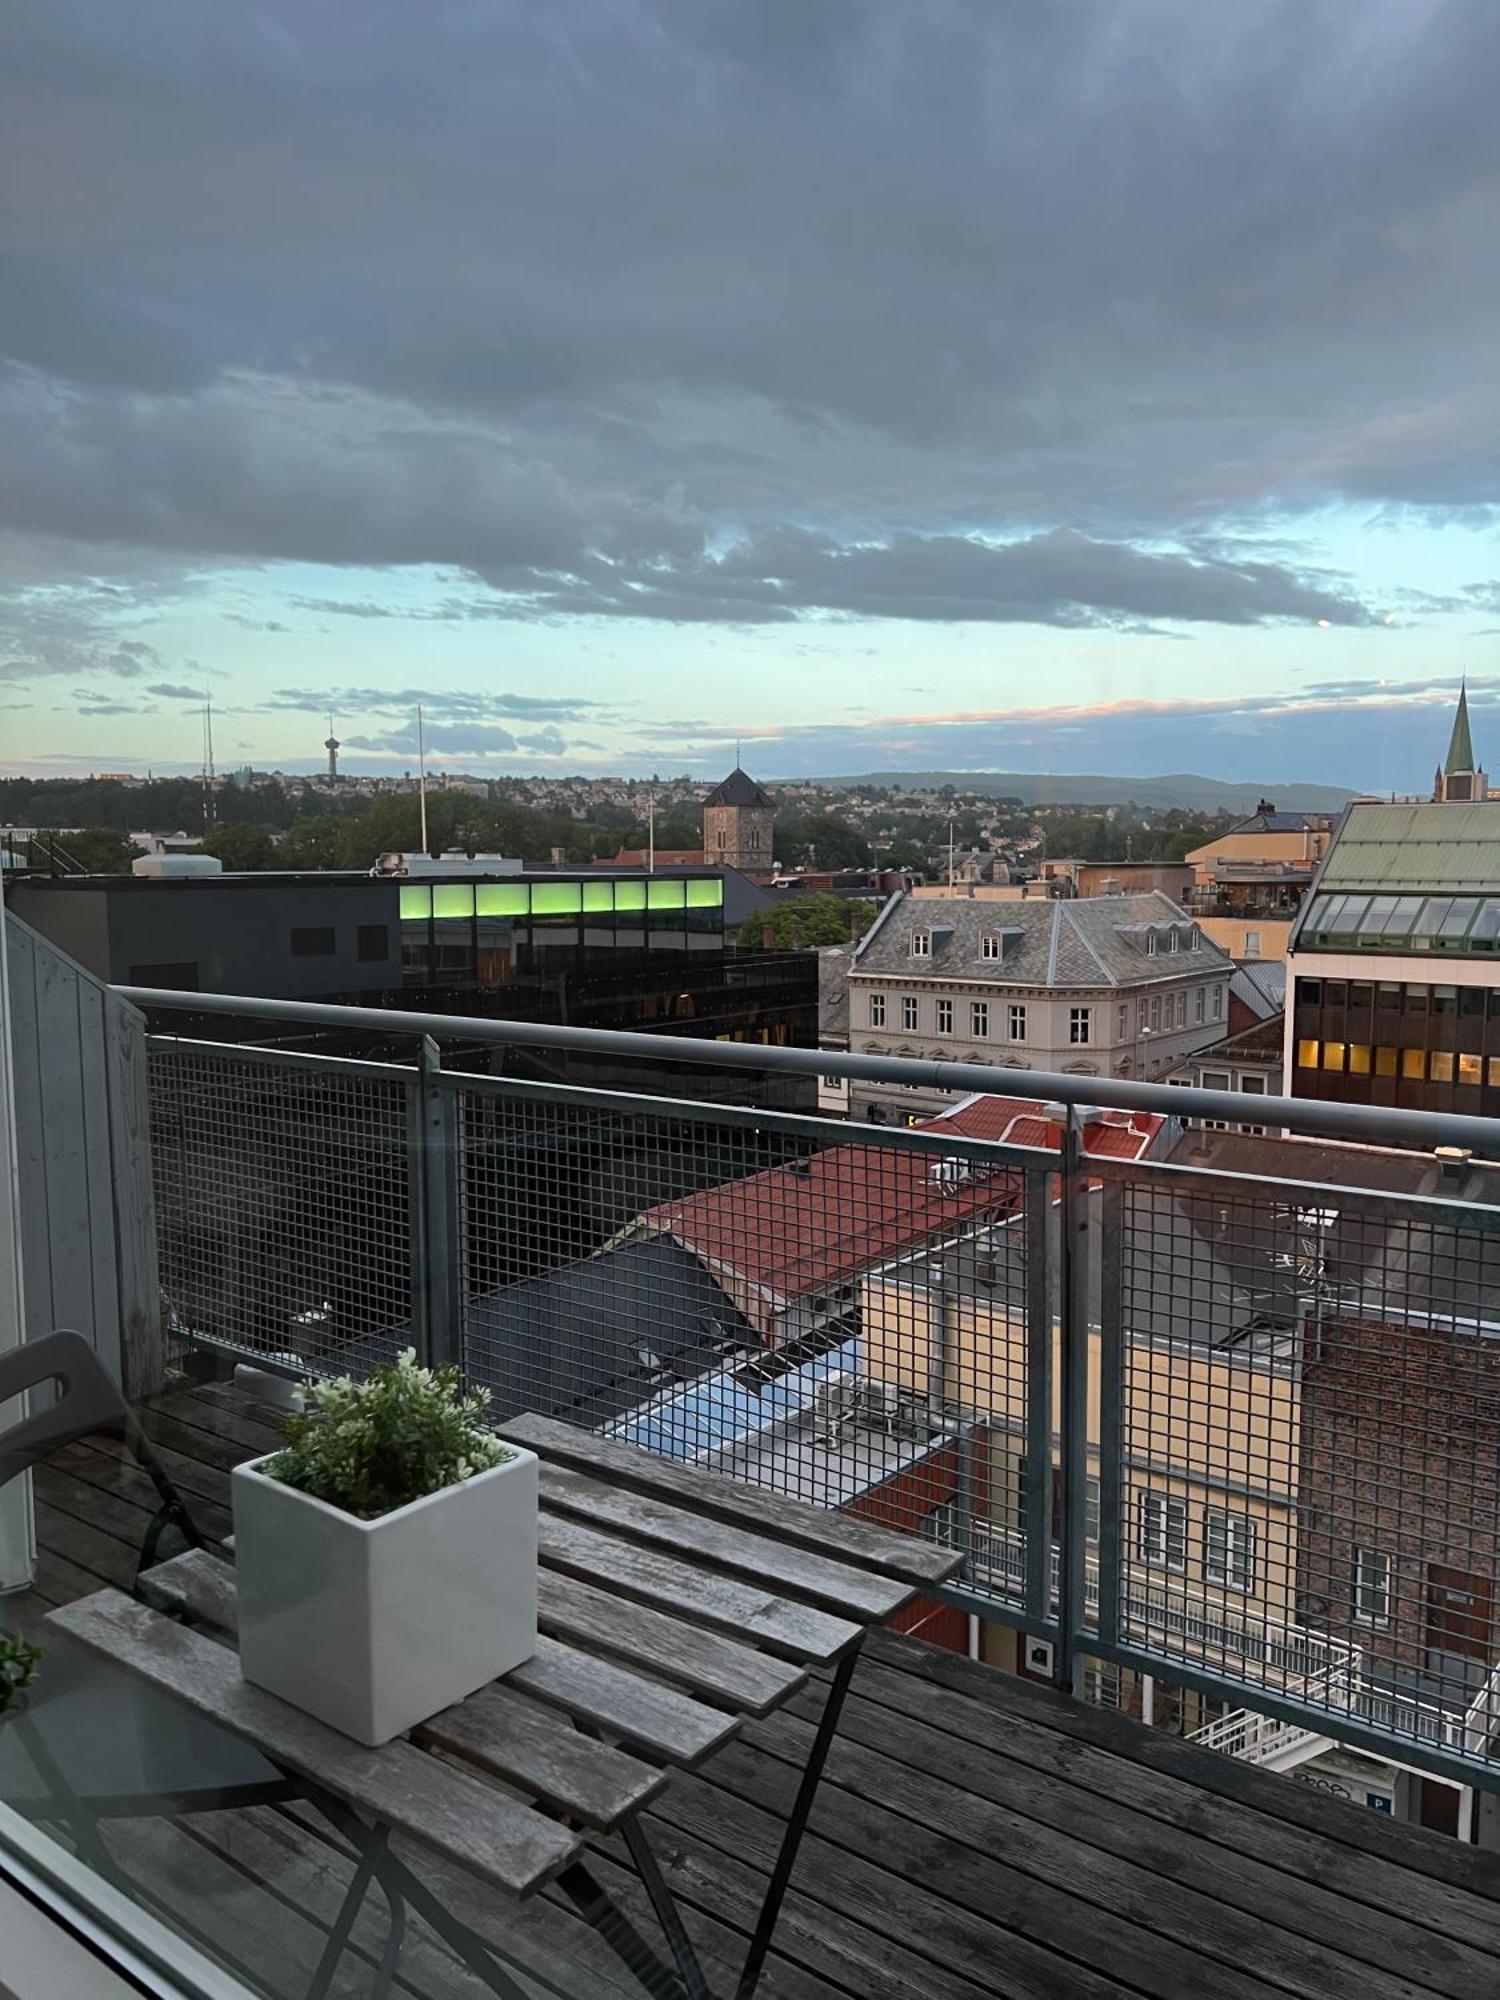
[(373, 1626)]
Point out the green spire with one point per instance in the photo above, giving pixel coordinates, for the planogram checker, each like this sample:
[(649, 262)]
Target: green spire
[(1461, 748)]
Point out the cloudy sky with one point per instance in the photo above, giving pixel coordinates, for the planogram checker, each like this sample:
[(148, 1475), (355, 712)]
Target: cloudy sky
[(885, 382)]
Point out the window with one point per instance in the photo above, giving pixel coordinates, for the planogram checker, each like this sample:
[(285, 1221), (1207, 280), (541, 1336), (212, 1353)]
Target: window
[(1385, 1062), (945, 1017), (1018, 1024), (979, 1019), (1080, 1024), (1414, 1064), (1359, 1059), (1123, 1028), (877, 1010), (1229, 1550), (909, 1013), (1182, 1008), (833, 1083), (1440, 1067), (1333, 1057), (1252, 944), (313, 941), (1151, 944), (1163, 1531), (1307, 1055), (1198, 1005), (374, 944), (1143, 1016), (1218, 1002), (1372, 1586), (1155, 1011), (921, 944), (1469, 1068), (992, 945), (1091, 1509), (1174, 941)]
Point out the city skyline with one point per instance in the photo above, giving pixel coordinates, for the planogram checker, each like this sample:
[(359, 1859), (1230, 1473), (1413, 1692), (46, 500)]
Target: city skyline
[(880, 390)]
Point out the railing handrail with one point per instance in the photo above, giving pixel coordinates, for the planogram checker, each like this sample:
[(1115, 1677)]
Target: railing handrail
[(1366, 1124)]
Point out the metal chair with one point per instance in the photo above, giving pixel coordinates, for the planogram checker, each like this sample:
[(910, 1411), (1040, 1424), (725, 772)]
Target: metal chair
[(92, 1742), (87, 1404)]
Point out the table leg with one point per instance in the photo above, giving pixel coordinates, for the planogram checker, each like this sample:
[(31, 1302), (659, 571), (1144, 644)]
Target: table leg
[(667, 1913), (791, 1840), (599, 1908), (371, 1849)]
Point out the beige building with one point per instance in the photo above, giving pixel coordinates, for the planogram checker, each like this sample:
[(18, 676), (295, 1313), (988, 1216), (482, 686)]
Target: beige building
[(1210, 1430), (739, 824), (1248, 937), (1096, 986)]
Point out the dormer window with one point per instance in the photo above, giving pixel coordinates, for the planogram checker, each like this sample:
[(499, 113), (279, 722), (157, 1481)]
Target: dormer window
[(921, 944), (1174, 941), (992, 945), (1151, 944)]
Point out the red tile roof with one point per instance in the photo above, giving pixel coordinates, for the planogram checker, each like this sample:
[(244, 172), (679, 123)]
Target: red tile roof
[(792, 1232)]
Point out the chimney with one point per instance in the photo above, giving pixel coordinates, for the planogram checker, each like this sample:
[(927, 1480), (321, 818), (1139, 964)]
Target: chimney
[(1453, 1164)]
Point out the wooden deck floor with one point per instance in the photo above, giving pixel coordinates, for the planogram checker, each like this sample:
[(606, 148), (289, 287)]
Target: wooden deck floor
[(976, 1836)]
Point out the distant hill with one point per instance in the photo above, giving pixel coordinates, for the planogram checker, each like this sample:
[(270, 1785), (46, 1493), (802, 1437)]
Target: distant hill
[(1178, 788)]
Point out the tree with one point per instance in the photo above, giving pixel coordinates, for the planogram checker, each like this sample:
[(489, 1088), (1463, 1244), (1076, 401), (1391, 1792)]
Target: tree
[(242, 848), (313, 843), (822, 840), (98, 850), (804, 921)]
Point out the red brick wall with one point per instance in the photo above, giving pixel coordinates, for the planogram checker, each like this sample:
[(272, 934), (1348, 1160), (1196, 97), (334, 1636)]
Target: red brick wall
[(1400, 1452)]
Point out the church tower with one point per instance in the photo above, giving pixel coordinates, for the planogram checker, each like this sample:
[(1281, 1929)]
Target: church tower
[(1459, 779), (739, 821)]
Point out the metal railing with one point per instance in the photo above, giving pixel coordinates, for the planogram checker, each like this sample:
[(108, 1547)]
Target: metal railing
[(1238, 1431)]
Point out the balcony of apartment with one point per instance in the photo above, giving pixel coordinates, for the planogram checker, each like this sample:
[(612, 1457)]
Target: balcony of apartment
[(1212, 1450)]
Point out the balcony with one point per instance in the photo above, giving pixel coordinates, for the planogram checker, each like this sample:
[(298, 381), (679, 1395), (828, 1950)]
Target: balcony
[(1161, 1415)]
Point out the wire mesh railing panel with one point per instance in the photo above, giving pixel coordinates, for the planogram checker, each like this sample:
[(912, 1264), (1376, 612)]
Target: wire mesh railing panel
[(840, 1317), (1308, 1488), (283, 1213)]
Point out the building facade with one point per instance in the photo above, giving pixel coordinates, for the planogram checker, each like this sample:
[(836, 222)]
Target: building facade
[(739, 824), (1102, 986), (1394, 965), (1262, 867)]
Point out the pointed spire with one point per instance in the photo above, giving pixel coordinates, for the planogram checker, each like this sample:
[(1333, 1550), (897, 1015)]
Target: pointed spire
[(1461, 747)]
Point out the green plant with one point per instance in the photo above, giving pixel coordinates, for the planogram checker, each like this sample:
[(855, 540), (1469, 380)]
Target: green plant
[(18, 1664), (372, 1446)]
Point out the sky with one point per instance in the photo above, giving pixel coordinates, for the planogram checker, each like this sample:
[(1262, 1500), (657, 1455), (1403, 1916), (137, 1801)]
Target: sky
[(880, 384)]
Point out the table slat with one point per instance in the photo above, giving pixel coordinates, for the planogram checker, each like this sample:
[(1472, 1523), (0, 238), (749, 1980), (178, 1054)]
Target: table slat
[(843, 1588), (446, 1809), (535, 1747), (644, 1712), (705, 1661), (921, 1563), (777, 1622)]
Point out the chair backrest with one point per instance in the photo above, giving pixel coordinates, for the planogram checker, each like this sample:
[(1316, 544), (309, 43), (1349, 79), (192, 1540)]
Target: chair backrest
[(87, 1401)]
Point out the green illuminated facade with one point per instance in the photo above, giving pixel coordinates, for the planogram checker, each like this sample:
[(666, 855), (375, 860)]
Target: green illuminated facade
[(487, 932)]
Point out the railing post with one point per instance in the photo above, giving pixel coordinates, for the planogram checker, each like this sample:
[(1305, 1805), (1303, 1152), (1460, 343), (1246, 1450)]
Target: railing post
[(1073, 1386), (436, 1209)]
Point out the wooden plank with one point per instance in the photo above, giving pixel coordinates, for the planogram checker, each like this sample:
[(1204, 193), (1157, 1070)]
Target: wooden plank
[(853, 1593), (124, 1479), (988, 1886), (642, 1712), (78, 1542), (776, 1622), (199, 1583), (142, 1338), (443, 1808), (1359, 1878), (704, 1661), (872, 1738), (1262, 1791), (894, 1882), (908, 1557), (535, 1748)]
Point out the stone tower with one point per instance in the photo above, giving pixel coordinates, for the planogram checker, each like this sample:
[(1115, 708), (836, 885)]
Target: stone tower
[(1459, 778), (738, 823)]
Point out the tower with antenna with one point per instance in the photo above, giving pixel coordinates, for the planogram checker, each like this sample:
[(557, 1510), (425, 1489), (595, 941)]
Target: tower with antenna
[(331, 745), (208, 760)]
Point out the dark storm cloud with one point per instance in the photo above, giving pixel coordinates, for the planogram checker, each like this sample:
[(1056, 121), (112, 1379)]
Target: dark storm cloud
[(589, 302)]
